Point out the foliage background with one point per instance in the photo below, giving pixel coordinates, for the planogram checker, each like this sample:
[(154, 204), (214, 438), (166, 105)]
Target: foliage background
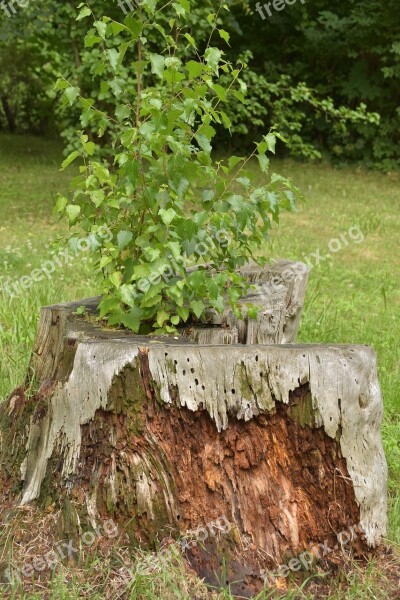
[(322, 72)]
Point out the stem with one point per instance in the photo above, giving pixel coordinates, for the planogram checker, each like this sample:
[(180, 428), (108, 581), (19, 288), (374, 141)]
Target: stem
[(139, 83), (215, 25)]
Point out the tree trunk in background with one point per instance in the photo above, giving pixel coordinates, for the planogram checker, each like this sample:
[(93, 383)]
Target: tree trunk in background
[(9, 114), (165, 435)]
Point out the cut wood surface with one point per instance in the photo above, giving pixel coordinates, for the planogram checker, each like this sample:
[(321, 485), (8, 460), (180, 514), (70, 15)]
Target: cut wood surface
[(166, 435)]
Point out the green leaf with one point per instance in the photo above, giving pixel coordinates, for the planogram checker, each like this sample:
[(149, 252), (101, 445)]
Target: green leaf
[(134, 26), (115, 317), (61, 204), (128, 295), (72, 93), (180, 11), (157, 64), (167, 216), (91, 39), (220, 91), (252, 311), (149, 5), (208, 131), (89, 148), (124, 238), (69, 159), (233, 161), (113, 56), (225, 35), (152, 253), (244, 181), (116, 278), (236, 202), (132, 319), (183, 312), (189, 246), (175, 248), (162, 316), (194, 68), (61, 84), (212, 57), (185, 4), (191, 40), (240, 96), (116, 87), (117, 27), (97, 197), (85, 12), (264, 162), (104, 261), (73, 212), (226, 120), (122, 112), (271, 142), (203, 143), (141, 271), (197, 307), (107, 305), (149, 302), (101, 29)]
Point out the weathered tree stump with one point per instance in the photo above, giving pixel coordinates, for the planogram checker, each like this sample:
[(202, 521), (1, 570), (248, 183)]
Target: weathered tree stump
[(279, 291), (165, 435)]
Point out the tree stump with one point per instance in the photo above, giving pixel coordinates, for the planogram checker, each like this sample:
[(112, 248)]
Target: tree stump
[(279, 292), (165, 435)]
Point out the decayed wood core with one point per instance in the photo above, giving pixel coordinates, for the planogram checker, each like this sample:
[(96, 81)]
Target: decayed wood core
[(284, 485)]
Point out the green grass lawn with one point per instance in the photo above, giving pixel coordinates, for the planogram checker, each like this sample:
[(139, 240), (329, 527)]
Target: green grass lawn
[(353, 294)]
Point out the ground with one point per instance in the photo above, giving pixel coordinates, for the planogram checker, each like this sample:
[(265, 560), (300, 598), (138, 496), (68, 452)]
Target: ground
[(347, 230)]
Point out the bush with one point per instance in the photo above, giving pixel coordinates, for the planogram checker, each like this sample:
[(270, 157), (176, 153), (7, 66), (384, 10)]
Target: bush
[(167, 201)]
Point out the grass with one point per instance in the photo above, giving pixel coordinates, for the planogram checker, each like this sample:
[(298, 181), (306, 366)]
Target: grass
[(353, 297)]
